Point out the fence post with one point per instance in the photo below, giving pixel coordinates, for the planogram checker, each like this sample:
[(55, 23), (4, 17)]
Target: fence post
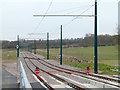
[(24, 83)]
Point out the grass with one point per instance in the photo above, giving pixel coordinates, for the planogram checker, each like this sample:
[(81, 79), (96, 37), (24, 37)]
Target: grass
[(105, 53), (102, 68), (52, 57), (107, 56), (8, 54)]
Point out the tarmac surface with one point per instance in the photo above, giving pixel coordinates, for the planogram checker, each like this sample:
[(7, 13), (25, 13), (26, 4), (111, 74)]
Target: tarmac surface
[(9, 80)]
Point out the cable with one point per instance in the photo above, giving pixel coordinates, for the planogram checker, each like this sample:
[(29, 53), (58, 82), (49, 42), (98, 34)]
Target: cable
[(80, 14), (66, 9), (44, 16), (75, 10), (84, 11), (62, 10)]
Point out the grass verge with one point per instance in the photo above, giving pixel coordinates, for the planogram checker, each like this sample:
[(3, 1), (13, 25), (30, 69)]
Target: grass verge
[(8, 54), (103, 68)]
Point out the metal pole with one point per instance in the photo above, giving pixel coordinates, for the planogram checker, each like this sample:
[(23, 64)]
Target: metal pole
[(17, 50), (95, 41), (34, 46), (47, 45), (30, 48), (119, 38), (18, 46), (24, 44), (61, 47)]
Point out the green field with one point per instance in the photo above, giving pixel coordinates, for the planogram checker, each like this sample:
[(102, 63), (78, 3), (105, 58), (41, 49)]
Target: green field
[(107, 56), (8, 54)]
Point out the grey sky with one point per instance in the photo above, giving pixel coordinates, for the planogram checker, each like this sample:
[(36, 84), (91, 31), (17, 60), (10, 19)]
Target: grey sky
[(17, 18)]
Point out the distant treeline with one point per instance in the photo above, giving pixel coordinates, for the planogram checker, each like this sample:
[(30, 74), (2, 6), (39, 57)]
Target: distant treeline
[(88, 40)]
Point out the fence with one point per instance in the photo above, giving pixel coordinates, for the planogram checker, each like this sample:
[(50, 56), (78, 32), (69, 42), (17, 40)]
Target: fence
[(24, 83)]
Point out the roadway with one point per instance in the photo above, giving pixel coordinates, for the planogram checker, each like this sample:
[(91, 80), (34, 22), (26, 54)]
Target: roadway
[(8, 80)]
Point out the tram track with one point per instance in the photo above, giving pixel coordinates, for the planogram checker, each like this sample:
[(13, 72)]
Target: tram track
[(65, 70), (44, 82), (58, 78), (72, 72), (98, 76)]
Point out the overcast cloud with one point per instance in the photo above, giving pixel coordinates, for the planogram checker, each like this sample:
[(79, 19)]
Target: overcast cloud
[(17, 18)]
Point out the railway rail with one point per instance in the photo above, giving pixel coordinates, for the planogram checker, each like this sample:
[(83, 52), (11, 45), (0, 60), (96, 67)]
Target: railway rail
[(43, 81), (94, 75), (69, 71), (64, 81)]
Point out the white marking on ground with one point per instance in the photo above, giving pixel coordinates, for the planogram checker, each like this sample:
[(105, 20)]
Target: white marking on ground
[(96, 78), (68, 79), (59, 86), (96, 83), (39, 81), (43, 79), (82, 85)]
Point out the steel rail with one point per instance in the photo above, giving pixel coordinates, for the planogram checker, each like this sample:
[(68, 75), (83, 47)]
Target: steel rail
[(47, 85), (69, 72), (102, 77), (76, 74), (68, 83)]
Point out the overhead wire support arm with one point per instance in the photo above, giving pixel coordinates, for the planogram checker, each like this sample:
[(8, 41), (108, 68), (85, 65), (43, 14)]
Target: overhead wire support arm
[(63, 15), (35, 33)]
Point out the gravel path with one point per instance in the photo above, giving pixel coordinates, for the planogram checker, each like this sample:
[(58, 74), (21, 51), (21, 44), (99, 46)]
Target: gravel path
[(10, 66)]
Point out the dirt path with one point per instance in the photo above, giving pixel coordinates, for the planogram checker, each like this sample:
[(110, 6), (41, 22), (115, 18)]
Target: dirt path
[(11, 67)]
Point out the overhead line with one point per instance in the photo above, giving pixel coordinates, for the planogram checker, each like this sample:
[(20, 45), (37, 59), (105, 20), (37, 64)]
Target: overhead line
[(66, 9), (86, 10), (44, 15), (35, 33), (63, 15), (78, 16)]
